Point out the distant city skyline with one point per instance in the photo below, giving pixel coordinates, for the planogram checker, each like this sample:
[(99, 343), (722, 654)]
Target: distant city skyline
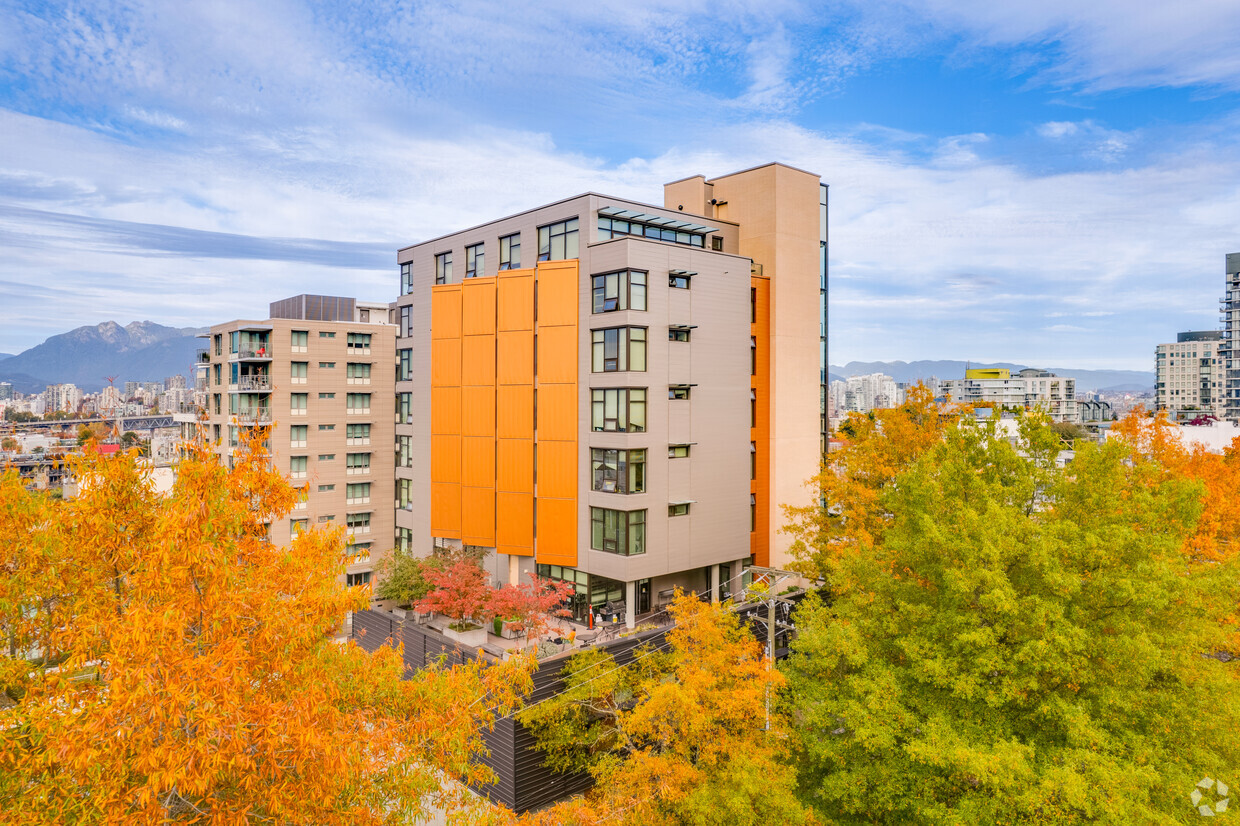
[(1038, 184)]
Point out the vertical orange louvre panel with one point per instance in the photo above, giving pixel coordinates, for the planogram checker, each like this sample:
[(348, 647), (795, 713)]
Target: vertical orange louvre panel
[(446, 411), (557, 359), (514, 413), (760, 433), (478, 411)]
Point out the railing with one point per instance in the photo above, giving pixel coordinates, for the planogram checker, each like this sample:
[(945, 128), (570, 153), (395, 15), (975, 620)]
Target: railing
[(248, 353), (254, 382), (255, 414)]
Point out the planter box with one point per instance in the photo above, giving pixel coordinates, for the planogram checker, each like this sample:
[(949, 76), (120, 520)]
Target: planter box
[(508, 632), (474, 639)]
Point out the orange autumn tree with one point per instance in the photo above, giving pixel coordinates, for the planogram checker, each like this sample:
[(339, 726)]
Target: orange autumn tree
[(165, 663), (878, 446)]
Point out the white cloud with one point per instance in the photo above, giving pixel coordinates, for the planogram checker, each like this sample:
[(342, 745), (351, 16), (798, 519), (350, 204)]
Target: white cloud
[(1057, 129)]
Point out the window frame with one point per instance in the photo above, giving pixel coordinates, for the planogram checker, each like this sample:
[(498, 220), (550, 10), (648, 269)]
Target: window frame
[(624, 406), (626, 470), (510, 251), (627, 529), (623, 288), (569, 232), (625, 345), (475, 260), (443, 267)]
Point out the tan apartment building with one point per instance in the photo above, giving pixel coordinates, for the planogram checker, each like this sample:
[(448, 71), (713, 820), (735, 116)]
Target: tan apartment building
[(617, 394), (1189, 375), (319, 371)]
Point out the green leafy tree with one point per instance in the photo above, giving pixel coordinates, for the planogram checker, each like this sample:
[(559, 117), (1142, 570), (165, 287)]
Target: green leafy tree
[(1023, 645), (402, 577)]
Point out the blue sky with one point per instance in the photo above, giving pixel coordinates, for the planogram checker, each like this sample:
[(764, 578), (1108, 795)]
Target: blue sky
[(1039, 183)]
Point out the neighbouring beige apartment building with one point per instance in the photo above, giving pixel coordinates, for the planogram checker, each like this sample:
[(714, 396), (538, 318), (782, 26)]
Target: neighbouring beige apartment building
[(320, 372), (617, 394), (1189, 375)]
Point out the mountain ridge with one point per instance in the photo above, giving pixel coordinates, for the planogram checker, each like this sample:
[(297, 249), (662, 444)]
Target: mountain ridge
[(138, 351)]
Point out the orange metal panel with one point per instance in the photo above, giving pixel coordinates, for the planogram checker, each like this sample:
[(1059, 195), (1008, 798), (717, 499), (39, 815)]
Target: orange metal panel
[(478, 407), (478, 306), (760, 434), (478, 360), (446, 311), (514, 411), (445, 410), (446, 510), (557, 293), (515, 357), (557, 469), (514, 523), (445, 362), (515, 300), (446, 459), (557, 355), (514, 460), (556, 542), (478, 461), (478, 516), (557, 412)]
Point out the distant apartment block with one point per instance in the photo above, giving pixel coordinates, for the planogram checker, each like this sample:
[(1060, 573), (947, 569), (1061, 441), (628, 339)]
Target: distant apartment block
[(1229, 350), (616, 394), (320, 372), (861, 394), (1027, 389), (1189, 375)]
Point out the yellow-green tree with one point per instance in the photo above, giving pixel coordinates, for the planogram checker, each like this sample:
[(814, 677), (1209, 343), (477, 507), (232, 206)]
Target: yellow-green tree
[(677, 736), (1021, 645), (166, 663)]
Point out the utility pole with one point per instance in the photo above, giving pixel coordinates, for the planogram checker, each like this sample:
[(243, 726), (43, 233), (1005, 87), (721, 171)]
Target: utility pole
[(773, 577)]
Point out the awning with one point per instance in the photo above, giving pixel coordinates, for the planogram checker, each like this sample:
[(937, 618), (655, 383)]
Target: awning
[(655, 220)]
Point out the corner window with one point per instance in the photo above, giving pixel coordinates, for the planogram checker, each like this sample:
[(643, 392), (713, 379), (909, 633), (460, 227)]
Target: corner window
[(618, 471), (510, 252), (405, 328), (557, 242), (619, 349), (475, 261), (406, 279), (443, 267), (624, 290), (618, 532), (619, 409)]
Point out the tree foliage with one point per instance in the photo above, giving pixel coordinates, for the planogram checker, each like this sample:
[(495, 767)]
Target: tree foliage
[(529, 607), (166, 663), (459, 591), (402, 576), (677, 735), (1016, 643)]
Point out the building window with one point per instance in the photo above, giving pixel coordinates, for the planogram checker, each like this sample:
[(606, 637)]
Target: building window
[(753, 408), (404, 408), (716, 243), (619, 409), (299, 370), (357, 463), (298, 526), (557, 242), (218, 374), (404, 539), (358, 522), (327, 427), (753, 305), (359, 343), (327, 365), (404, 451), (753, 512), (357, 434), (618, 471), (616, 227), (406, 279), (234, 341), (404, 365), (618, 532), (219, 343), (327, 335), (678, 451), (358, 402), (677, 333), (406, 321), (353, 580), (443, 267), (680, 282), (624, 290), (619, 349), (753, 460), (327, 395), (326, 488), (299, 341), (510, 252), (475, 261), (753, 356), (330, 518), (678, 391), (297, 403), (218, 405), (297, 467), (327, 457), (357, 373), (297, 435), (404, 493), (678, 509)]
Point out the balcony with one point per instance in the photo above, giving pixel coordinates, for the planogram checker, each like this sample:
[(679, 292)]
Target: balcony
[(254, 415), (252, 354), (260, 383), (203, 356)]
